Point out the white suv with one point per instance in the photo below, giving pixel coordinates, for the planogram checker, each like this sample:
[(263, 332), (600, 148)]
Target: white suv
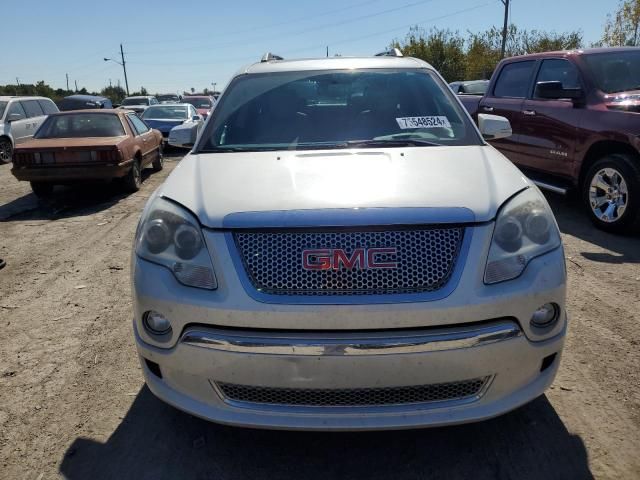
[(20, 117), (342, 250)]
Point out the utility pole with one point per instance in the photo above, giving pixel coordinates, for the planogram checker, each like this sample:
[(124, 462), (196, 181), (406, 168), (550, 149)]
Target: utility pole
[(67, 81), (76, 85), (126, 82), (327, 51), (504, 28)]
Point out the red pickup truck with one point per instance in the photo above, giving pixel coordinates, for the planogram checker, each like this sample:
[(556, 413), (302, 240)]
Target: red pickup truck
[(575, 117)]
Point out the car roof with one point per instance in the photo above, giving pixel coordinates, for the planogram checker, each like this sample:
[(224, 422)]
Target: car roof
[(172, 104), (334, 63), (578, 52), (140, 96), (111, 111), (86, 97), (6, 98)]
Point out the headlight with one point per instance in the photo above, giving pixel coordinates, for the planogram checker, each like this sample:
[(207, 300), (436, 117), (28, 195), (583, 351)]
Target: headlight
[(169, 235), (525, 228)]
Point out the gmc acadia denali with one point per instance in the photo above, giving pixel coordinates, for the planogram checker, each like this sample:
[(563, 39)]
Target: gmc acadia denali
[(576, 125), (342, 250)]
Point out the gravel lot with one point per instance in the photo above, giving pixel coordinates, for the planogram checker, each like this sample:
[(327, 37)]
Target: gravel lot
[(73, 403)]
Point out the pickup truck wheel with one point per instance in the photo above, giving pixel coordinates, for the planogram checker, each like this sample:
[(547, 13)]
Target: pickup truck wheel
[(133, 180), (42, 189), (158, 163), (6, 150), (611, 192)]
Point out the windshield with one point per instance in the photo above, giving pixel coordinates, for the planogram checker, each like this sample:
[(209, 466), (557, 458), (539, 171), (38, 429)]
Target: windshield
[(337, 109), (81, 125), (166, 112), (135, 101), (615, 71), (3, 106), (198, 102), (164, 98)]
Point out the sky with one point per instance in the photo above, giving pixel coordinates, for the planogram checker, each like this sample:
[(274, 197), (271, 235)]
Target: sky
[(171, 46)]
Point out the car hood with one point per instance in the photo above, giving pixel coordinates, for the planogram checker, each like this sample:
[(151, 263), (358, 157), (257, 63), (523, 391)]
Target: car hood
[(255, 186)]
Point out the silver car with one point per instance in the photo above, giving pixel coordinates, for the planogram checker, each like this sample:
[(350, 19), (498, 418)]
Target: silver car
[(139, 103), (343, 250), (20, 117)]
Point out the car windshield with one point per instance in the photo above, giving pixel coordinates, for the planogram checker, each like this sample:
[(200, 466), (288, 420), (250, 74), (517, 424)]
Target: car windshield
[(81, 125), (3, 106), (337, 109), (164, 98), (166, 112), (198, 102), (135, 101), (615, 71)]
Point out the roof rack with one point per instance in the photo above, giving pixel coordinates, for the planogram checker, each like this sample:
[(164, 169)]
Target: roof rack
[(394, 52), (267, 57)]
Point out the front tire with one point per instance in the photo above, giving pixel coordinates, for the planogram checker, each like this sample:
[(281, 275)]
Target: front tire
[(42, 189), (611, 193), (6, 150), (158, 163), (133, 179)]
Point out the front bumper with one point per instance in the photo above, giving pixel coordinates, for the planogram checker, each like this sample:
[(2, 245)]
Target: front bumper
[(192, 373), (356, 346), (68, 173)]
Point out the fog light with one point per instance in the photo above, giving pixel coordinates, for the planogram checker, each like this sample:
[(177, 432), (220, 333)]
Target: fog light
[(545, 315), (156, 323)]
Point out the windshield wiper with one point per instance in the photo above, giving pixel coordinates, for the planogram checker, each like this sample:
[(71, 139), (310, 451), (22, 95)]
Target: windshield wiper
[(381, 143)]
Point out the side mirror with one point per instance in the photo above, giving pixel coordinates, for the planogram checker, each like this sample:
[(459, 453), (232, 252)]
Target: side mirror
[(555, 90), (196, 118), (183, 136), (493, 127), (14, 117)]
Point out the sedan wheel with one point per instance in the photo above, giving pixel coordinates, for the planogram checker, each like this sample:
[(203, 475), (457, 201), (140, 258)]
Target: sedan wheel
[(158, 163), (133, 180)]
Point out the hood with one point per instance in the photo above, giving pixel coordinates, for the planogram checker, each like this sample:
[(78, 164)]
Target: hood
[(624, 101), (219, 186), (163, 124)]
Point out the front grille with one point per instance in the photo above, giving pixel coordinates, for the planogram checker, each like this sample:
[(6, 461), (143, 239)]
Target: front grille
[(353, 397), (425, 261)]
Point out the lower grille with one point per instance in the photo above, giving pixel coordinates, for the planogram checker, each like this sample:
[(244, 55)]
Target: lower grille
[(354, 397)]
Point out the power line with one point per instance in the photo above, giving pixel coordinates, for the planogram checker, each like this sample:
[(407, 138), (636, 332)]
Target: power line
[(263, 27), (263, 39)]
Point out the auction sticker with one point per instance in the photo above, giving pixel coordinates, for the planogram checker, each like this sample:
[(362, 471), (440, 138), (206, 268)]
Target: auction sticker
[(423, 122)]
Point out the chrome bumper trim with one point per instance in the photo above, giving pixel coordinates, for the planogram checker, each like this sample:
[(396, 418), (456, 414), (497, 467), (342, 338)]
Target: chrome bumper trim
[(351, 344)]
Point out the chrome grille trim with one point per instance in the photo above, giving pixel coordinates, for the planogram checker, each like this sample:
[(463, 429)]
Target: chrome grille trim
[(426, 260), (350, 343), (256, 396)]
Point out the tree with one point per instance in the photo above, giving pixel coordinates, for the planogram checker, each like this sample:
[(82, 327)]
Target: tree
[(443, 49), (114, 93), (621, 28)]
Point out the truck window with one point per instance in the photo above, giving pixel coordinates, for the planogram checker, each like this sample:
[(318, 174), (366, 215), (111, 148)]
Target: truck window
[(559, 70), (514, 80)]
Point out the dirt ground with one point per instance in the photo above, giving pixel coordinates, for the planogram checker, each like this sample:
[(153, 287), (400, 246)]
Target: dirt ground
[(73, 403)]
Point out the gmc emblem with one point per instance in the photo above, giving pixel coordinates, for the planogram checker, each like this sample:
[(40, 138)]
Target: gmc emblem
[(337, 259)]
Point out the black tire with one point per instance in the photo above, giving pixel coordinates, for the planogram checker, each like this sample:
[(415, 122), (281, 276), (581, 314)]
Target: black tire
[(6, 150), (158, 163), (620, 212), (132, 181), (42, 189)]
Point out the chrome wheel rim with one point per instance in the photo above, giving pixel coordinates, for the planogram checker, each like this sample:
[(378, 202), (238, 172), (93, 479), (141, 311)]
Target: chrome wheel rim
[(137, 174), (608, 195), (5, 152)]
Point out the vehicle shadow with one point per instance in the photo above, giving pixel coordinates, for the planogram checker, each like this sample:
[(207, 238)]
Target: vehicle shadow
[(572, 220), (156, 441), (66, 201)]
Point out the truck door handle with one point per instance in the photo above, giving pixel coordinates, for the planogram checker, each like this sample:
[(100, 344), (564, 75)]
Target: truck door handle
[(529, 112), (487, 109)]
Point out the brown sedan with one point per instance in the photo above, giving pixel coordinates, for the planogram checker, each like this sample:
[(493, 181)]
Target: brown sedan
[(88, 145)]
